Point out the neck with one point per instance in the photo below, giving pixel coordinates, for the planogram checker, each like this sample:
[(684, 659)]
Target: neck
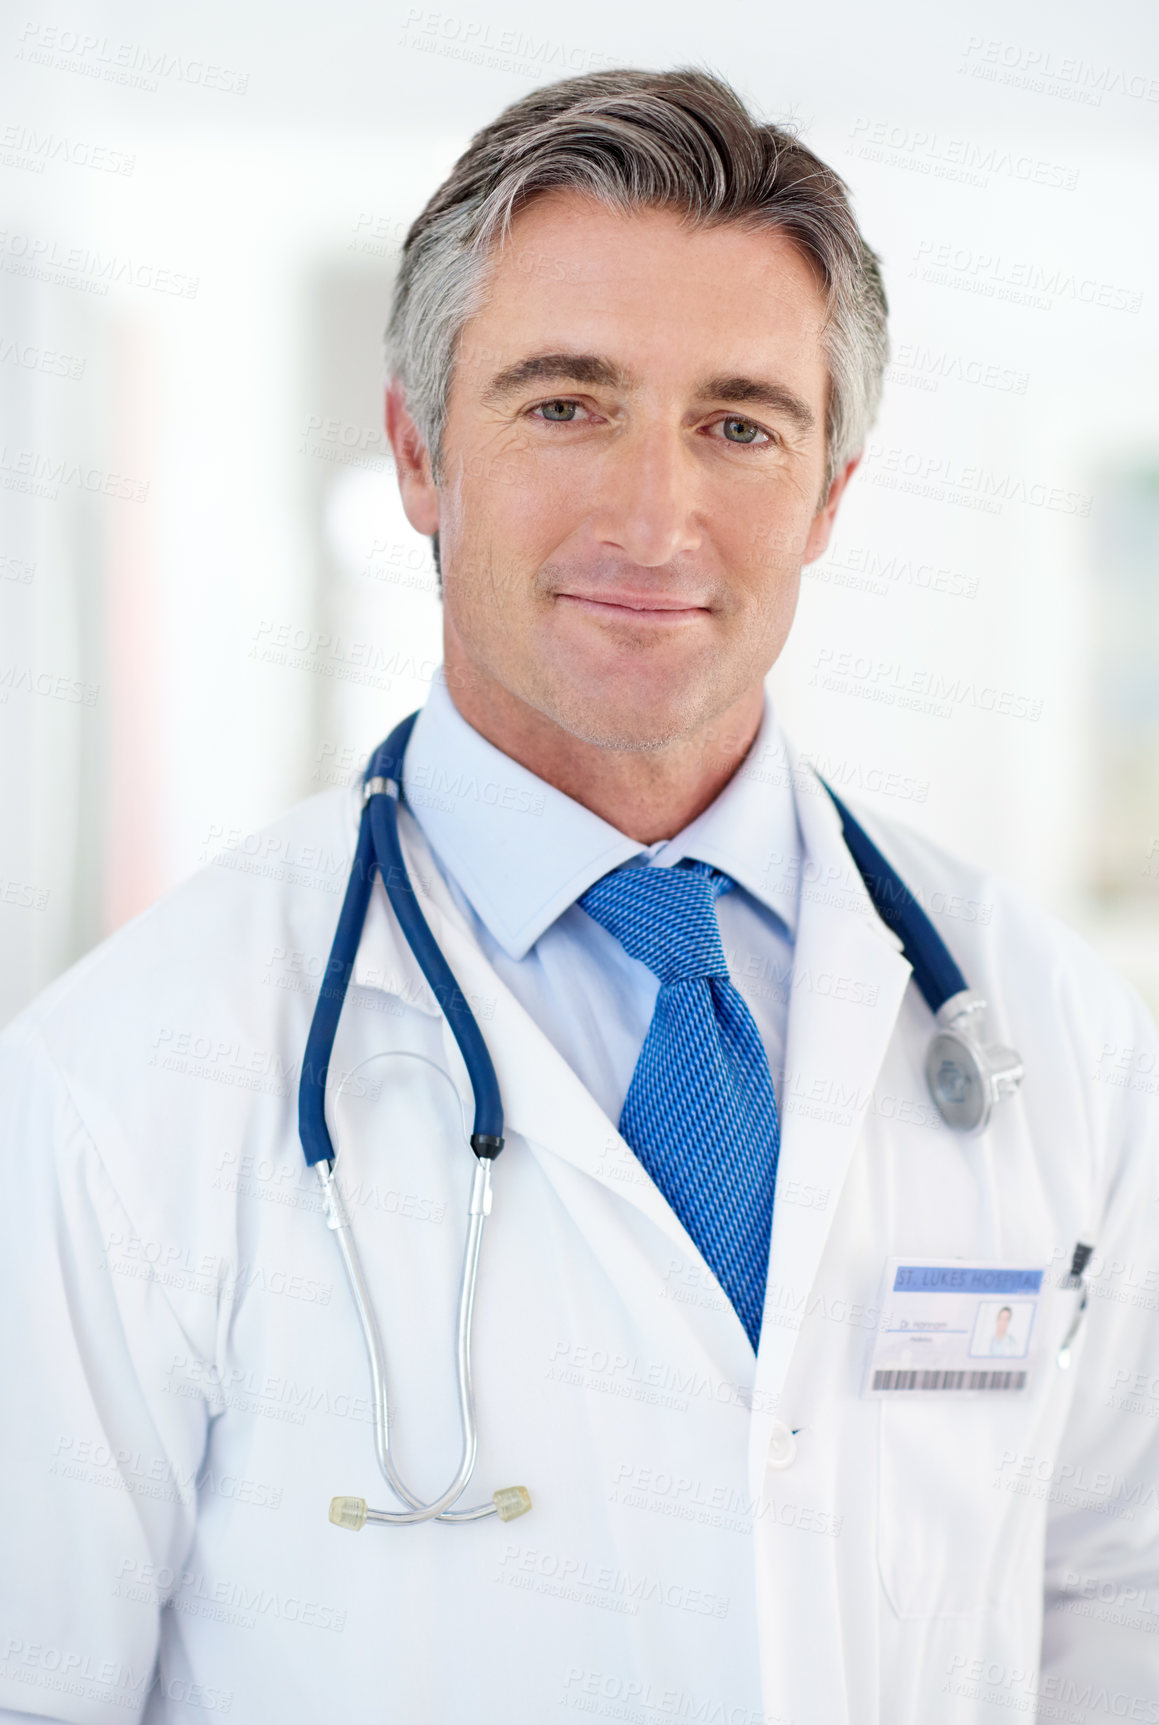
[(648, 794)]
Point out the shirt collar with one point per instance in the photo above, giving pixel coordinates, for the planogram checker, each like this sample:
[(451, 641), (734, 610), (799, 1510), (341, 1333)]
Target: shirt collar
[(522, 852)]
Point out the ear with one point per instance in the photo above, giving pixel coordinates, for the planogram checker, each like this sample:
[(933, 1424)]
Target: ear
[(822, 523), (412, 461)]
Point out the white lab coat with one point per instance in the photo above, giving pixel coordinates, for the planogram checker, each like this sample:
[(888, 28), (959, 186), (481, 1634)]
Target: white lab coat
[(186, 1387)]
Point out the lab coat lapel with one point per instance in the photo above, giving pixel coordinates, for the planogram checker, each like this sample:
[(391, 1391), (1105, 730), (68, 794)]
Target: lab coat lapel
[(543, 1099), (849, 978)]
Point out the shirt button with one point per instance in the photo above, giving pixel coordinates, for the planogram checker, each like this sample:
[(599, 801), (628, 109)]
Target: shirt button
[(782, 1445)]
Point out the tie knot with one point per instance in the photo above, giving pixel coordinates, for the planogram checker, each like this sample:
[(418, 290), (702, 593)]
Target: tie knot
[(665, 917)]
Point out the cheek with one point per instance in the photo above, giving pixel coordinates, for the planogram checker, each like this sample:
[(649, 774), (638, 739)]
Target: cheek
[(498, 503), (507, 534), (768, 548), (489, 562), (539, 507)]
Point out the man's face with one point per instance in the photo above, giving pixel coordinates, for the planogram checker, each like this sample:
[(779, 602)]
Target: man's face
[(632, 469)]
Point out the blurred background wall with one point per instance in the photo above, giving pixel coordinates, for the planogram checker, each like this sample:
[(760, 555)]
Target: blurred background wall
[(210, 601)]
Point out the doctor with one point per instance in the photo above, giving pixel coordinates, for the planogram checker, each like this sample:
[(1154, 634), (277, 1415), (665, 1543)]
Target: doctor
[(637, 344)]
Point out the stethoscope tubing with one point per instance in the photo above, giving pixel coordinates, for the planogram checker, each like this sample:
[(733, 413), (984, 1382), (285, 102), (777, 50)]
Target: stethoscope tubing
[(937, 976), (487, 1134), (379, 851), (439, 1508)]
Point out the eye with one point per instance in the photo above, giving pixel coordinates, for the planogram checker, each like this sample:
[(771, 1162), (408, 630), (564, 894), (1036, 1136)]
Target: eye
[(557, 412), (737, 430)]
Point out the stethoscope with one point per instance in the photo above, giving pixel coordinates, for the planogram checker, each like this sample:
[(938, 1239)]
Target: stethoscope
[(966, 1075)]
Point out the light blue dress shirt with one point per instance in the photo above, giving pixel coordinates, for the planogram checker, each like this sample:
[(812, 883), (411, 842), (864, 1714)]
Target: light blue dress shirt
[(517, 854)]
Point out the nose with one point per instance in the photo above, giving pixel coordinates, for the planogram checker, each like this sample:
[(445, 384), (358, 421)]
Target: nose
[(647, 503)]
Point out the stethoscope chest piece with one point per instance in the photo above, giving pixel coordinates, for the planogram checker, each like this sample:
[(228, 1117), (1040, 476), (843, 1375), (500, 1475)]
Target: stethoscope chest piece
[(966, 1074)]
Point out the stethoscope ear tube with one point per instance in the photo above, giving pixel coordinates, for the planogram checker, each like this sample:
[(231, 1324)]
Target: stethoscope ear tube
[(937, 976), (379, 848), (312, 1127), (487, 1135)]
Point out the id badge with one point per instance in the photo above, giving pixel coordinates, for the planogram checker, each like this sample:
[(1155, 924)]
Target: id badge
[(955, 1328)]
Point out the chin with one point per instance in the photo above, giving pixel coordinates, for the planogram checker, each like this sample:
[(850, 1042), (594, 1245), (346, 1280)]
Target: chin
[(628, 720)]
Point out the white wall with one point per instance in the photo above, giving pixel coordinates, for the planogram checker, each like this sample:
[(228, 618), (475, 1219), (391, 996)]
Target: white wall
[(1003, 160)]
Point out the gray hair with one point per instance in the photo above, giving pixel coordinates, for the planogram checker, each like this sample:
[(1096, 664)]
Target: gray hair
[(633, 140)]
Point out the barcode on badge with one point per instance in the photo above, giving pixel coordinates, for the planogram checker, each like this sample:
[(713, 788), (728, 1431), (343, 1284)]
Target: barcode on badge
[(949, 1380)]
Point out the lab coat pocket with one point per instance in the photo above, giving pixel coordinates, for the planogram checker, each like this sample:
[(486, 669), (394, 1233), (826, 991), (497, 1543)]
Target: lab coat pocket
[(948, 1536)]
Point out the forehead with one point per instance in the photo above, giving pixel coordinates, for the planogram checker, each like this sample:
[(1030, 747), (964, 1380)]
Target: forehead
[(650, 287)]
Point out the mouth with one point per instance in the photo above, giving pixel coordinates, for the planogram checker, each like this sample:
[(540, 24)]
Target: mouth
[(636, 607)]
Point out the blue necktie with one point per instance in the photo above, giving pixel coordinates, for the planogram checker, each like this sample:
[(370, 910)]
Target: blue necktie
[(700, 1113)]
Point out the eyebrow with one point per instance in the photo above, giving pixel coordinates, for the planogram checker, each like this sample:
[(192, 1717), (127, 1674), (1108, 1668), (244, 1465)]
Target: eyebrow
[(757, 392), (588, 368), (593, 369)]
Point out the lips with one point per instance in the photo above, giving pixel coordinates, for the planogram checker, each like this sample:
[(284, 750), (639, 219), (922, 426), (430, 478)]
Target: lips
[(647, 604)]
